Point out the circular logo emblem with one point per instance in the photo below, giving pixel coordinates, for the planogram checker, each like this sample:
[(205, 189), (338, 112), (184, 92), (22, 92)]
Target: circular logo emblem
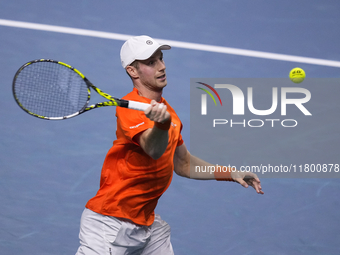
[(149, 42)]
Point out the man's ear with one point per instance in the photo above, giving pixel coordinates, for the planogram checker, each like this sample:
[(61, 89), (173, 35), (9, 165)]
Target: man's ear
[(132, 71)]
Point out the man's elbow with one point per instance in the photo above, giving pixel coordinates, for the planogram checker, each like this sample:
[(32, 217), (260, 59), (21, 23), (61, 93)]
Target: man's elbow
[(155, 154), (183, 172)]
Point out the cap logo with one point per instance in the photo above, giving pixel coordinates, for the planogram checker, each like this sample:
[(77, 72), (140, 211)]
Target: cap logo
[(149, 42)]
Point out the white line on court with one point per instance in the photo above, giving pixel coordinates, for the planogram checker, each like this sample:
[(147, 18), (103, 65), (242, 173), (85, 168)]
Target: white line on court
[(185, 45)]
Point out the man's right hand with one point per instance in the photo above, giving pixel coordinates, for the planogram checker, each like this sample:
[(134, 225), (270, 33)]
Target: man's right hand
[(157, 112)]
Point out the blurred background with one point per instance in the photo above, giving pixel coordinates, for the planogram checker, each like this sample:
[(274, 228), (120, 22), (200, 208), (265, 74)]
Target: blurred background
[(50, 169)]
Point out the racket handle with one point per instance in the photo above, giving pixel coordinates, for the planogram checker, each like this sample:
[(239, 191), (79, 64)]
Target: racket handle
[(138, 105)]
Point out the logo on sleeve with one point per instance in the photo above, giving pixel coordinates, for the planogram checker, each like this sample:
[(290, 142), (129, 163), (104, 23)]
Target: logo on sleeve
[(137, 125)]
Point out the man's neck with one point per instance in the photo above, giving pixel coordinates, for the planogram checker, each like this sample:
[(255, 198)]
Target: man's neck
[(150, 94)]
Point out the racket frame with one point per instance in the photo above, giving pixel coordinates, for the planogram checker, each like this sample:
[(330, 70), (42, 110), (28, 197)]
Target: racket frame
[(112, 100)]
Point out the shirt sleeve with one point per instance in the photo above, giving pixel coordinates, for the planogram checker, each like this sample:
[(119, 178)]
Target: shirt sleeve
[(132, 122), (180, 138)]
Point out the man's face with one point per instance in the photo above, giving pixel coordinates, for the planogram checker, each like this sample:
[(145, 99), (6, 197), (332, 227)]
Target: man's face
[(151, 72)]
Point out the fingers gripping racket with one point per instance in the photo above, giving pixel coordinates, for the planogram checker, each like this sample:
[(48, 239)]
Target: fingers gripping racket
[(53, 90)]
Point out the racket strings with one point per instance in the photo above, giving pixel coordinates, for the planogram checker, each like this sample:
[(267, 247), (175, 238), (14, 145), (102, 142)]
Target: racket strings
[(50, 89)]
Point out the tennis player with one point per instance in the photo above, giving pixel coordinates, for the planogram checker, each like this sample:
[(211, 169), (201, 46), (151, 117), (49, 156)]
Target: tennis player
[(138, 168)]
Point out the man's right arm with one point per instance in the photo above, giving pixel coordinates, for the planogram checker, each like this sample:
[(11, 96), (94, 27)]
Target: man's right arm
[(155, 140)]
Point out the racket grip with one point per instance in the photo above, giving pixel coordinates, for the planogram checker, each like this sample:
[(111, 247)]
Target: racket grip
[(138, 105)]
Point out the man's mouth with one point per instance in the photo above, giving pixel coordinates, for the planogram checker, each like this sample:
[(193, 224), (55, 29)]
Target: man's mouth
[(162, 77)]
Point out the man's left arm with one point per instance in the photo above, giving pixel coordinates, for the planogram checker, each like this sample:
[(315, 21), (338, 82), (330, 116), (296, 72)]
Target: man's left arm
[(185, 166)]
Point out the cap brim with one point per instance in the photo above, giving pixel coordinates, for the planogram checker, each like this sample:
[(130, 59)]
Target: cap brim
[(147, 54)]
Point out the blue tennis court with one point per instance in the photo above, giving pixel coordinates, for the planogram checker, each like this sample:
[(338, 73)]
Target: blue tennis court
[(50, 169)]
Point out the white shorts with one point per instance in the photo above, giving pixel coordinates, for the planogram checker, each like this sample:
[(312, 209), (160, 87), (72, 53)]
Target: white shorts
[(106, 235)]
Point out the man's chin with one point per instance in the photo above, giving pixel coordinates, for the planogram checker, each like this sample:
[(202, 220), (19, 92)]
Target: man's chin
[(163, 84)]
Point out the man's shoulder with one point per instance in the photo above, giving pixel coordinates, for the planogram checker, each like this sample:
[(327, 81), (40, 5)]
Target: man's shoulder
[(168, 105), (134, 96), (131, 96)]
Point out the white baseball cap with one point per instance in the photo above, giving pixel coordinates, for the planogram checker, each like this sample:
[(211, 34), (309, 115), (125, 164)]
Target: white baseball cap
[(139, 48)]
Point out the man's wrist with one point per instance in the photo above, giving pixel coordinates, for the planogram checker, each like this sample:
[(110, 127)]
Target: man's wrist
[(165, 125), (224, 175)]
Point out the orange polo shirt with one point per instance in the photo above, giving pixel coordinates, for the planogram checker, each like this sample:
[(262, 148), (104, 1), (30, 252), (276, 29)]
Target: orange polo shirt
[(131, 181)]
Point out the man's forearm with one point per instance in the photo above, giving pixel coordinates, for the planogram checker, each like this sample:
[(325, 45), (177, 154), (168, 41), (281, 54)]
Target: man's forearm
[(202, 170), (196, 167), (192, 167), (154, 142)]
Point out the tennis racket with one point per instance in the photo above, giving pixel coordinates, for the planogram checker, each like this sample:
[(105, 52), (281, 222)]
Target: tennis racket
[(53, 90)]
